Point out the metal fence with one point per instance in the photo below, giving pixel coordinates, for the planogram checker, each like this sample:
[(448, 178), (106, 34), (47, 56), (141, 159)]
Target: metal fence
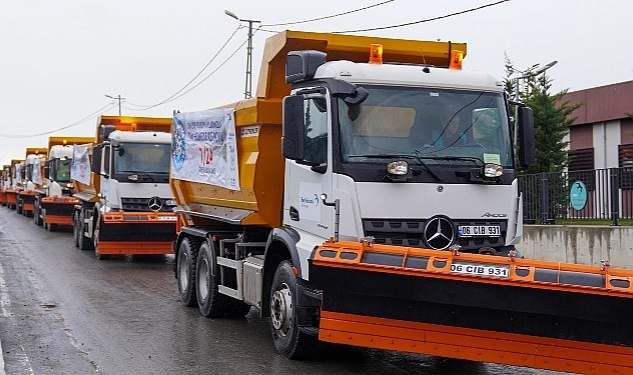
[(597, 194)]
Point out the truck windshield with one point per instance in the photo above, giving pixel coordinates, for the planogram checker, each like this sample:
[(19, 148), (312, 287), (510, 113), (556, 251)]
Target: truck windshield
[(438, 126), (62, 170), (142, 158)]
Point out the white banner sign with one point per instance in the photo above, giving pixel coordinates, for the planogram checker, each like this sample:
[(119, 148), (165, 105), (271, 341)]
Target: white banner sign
[(37, 176), (204, 148), (17, 175), (80, 166)]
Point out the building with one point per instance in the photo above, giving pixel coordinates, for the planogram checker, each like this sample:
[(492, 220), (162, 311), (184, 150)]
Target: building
[(602, 134), (601, 149)]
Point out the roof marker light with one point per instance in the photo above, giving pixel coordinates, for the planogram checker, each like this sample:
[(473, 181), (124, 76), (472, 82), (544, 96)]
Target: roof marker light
[(457, 57), (375, 54)]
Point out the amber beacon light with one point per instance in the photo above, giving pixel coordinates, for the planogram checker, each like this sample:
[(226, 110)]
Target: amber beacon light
[(457, 57), (375, 54)]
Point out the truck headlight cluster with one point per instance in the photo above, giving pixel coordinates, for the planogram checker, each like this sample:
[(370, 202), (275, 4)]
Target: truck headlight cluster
[(398, 168), (492, 170)]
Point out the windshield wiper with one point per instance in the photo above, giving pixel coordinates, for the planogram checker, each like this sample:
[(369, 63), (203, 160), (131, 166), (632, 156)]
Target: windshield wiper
[(400, 156), (450, 158)]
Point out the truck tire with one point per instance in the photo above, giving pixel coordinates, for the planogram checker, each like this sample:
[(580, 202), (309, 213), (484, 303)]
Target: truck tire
[(211, 303), (186, 270), (37, 214), (85, 243), (96, 233), (289, 341), (76, 231)]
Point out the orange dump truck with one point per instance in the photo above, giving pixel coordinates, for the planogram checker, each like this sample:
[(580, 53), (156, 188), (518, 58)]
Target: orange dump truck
[(331, 203), (121, 180), (5, 183), (32, 179), (14, 183), (54, 203)]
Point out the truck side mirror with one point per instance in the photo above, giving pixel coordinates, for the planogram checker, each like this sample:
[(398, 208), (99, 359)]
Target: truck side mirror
[(95, 165), (293, 128), (47, 169), (525, 134)]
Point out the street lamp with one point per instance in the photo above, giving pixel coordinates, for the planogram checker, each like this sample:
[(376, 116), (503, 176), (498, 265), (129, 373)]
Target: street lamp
[(528, 74), (119, 98), (525, 75), (249, 54)]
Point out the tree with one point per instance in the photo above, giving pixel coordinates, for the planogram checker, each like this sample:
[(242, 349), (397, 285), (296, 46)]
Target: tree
[(551, 125)]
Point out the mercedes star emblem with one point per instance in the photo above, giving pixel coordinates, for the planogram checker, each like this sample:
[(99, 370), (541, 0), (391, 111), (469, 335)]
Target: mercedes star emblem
[(155, 204), (439, 232)]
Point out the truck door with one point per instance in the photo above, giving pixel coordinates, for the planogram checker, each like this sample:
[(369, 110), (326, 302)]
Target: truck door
[(311, 176)]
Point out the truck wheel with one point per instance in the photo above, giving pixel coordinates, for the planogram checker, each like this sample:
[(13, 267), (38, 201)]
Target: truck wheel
[(76, 231), (85, 243), (211, 303), (37, 212), (288, 340), (95, 239), (186, 270)]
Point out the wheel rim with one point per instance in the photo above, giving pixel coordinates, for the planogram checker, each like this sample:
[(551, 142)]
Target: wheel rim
[(183, 270), (203, 279), (281, 309)]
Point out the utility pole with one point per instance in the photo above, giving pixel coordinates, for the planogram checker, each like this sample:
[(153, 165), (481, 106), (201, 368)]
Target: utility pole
[(119, 98), (248, 87)]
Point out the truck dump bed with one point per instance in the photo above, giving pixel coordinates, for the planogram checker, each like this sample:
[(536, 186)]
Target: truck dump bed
[(258, 124)]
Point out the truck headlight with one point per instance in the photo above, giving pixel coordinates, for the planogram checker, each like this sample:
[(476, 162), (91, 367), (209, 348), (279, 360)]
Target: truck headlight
[(398, 168), (492, 170)]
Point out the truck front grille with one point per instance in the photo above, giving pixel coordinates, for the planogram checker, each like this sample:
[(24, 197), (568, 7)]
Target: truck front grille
[(143, 204), (411, 233)]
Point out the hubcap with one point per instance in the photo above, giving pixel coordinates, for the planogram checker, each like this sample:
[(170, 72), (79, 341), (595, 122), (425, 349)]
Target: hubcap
[(281, 309), (203, 280), (183, 271)]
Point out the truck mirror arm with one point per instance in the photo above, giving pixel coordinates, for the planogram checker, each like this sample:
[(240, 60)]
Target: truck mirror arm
[(351, 94)]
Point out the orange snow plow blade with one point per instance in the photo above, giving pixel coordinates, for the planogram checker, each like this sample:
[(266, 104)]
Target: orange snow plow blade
[(12, 198), (557, 316), (137, 233), (135, 248), (59, 209), (28, 200), (473, 344)]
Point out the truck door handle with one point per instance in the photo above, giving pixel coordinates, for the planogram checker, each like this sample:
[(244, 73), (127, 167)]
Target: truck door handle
[(294, 214)]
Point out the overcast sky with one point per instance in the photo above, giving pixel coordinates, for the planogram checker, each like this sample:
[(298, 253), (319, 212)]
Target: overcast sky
[(59, 59)]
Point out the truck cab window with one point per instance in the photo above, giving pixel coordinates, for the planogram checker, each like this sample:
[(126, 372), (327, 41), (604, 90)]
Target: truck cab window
[(316, 135)]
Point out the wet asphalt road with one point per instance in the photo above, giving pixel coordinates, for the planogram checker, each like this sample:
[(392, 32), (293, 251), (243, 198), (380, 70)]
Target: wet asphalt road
[(65, 312)]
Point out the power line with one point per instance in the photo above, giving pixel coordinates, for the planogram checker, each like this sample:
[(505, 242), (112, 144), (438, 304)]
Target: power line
[(332, 16), (175, 95), (201, 81), (92, 115), (422, 21), (178, 94), (187, 88)]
